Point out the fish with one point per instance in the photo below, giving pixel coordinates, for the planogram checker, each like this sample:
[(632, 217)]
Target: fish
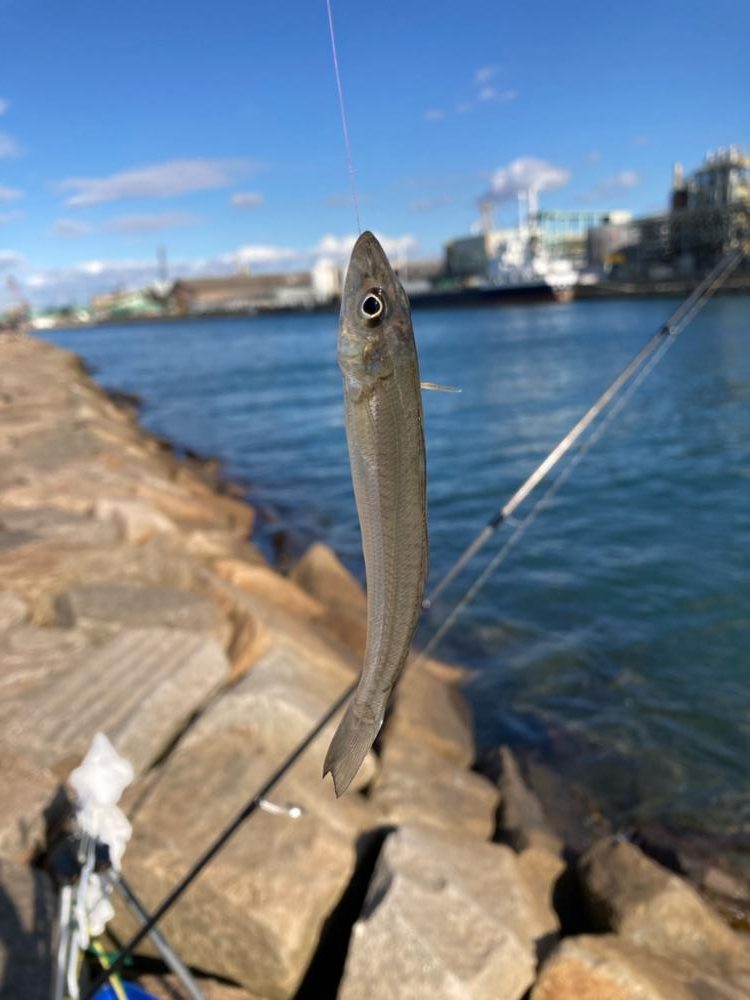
[(377, 355)]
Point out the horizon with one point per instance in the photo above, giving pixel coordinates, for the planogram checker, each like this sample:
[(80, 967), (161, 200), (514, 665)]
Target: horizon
[(221, 139)]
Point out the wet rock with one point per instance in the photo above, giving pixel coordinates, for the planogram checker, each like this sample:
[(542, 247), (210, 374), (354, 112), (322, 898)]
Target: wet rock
[(415, 785), (13, 610), (628, 893), (445, 918), (26, 936), (108, 607), (322, 575), (522, 822), (136, 521), (256, 914), (140, 689), (607, 967)]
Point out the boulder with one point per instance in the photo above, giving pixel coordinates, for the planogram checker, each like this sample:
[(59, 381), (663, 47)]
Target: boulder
[(522, 822), (445, 917), (429, 712), (65, 526), (32, 658), (105, 608), (415, 785), (26, 933), (256, 914), (628, 893), (608, 967), (136, 520), (169, 987), (25, 791), (268, 584), (323, 576), (13, 610), (140, 689)]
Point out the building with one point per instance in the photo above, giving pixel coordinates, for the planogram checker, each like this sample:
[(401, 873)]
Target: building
[(242, 293), (709, 216)]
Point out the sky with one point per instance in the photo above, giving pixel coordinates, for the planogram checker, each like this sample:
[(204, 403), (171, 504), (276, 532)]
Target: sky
[(214, 129)]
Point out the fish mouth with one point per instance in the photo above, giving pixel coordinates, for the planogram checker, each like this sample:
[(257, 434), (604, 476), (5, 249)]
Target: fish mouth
[(368, 265)]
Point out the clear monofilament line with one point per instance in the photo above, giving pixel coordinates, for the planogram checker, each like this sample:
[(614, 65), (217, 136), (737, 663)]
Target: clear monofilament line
[(344, 125)]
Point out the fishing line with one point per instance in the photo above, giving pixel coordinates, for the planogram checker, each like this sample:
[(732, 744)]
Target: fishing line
[(700, 294), (682, 316), (344, 125)]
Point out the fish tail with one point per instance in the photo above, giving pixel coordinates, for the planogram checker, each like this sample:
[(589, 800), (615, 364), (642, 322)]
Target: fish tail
[(349, 747)]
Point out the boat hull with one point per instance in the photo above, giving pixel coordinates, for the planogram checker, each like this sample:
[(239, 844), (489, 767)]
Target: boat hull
[(489, 296)]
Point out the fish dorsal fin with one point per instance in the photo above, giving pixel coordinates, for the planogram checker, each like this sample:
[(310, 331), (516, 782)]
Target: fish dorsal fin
[(434, 387)]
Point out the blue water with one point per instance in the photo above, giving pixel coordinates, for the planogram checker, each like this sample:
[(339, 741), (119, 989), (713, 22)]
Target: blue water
[(617, 636)]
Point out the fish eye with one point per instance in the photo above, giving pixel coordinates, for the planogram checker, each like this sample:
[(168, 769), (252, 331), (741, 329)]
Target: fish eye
[(372, 306)]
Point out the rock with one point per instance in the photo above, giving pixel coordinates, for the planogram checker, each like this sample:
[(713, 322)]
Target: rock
[(68, 527), (140, 689), (170, 988), (52, 448), (13, 610), (417, 786), (322, 575), (26, 936), (194, 508), (542, 869), (267, 583), (256, 914), (220, 543), (296, 676), (135, 519), (428, 712), (107, 607), (628, 893), (522, 821), (607, 967), (31, 658), (444, 918), (25, 790)]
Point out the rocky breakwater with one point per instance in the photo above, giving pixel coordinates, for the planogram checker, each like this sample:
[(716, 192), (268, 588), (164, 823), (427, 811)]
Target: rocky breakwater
[(132, 602)]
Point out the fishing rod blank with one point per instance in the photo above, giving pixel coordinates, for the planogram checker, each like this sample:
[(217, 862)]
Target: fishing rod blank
[(679, 319), (722, 269)]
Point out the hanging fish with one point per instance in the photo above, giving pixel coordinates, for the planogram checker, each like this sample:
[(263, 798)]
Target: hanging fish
[(384, 430)]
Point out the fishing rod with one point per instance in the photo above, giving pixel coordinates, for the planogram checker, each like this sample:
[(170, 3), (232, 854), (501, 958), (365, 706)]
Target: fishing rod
[(705, 289), (677, 322)]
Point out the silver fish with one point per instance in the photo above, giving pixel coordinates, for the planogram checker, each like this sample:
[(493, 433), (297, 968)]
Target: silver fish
[(384, 430)]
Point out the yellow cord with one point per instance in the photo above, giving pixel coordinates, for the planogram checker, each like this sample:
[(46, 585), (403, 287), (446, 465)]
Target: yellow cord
[(115, 981)]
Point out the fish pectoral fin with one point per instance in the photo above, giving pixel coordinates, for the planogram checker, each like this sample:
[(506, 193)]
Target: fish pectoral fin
[(350, 745), (435, 387)]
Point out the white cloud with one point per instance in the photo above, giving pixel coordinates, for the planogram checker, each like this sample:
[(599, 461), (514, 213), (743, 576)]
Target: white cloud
[(524, 174), (10, 194), (4, 105), (159, 180), (153, 222), (434, 115), (70, 228), (260, 255), (7, 217), (484, 74), (620, 183), (246, 199), (9, 259), (339, 247), (493, 94), (8, 147)]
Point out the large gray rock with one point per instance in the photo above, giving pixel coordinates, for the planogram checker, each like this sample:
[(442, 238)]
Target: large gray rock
[(31, 657), (445, 918), (415, 785), (107, 607), (140, 689), (61, 525), (322, 575), (628, 893), (609, 967), (134, 520), (256, 914), (26, 933), (522, 820)]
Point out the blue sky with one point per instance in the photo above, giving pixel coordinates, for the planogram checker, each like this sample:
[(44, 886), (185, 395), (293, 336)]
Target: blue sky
[(126, 125)]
